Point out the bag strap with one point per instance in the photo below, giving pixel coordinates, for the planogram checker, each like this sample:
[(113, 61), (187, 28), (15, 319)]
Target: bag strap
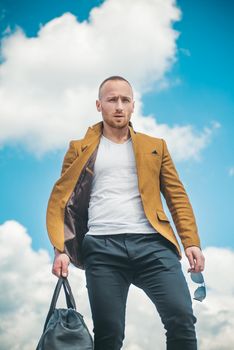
[(68, 294)]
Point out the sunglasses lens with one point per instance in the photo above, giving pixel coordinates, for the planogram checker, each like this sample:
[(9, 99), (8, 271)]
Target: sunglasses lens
[(197, 277), (200, 293)]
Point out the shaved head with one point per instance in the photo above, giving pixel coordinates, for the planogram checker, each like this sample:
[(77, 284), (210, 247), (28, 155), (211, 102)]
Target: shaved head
[(113, 77)]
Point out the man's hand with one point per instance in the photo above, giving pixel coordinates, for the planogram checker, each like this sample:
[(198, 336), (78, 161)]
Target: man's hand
[(60, 265), (196, 259)]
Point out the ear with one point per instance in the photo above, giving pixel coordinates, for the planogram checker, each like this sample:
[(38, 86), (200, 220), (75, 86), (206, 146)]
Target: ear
[(98, 105)]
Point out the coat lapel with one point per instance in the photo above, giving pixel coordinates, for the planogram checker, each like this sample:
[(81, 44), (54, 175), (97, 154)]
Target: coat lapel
[(94, 133), (145, 152)]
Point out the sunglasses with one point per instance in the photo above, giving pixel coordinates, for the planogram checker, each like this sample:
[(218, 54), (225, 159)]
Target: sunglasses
[(200, 292)]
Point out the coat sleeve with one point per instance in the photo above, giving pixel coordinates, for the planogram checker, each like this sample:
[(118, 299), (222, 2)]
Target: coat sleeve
[(177, 201), (69, 157)]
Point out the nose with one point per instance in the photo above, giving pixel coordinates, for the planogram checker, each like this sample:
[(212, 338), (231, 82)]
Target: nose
[(119, 105)]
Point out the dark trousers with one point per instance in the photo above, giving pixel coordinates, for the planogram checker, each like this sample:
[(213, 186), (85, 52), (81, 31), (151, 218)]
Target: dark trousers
[(149, 261)]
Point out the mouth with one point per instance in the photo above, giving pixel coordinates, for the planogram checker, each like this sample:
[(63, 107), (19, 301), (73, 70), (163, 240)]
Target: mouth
[(118, 116)]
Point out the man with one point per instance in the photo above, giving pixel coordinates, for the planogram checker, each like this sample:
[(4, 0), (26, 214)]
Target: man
[(105, 215)]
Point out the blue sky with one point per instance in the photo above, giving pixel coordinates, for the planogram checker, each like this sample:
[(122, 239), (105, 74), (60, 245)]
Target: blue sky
[(203, 95)]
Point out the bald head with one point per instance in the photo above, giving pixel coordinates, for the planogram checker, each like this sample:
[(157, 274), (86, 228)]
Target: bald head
[(112, 78)]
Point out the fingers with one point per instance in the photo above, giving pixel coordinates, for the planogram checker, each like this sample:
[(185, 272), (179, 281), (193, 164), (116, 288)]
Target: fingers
[(191, 262), (64, 268), (60, 265), (200, 261), (56, 269), (197, 265), (196, 260)]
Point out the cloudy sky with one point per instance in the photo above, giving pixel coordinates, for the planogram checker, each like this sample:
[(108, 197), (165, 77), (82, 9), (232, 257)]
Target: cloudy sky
[(179, 58)]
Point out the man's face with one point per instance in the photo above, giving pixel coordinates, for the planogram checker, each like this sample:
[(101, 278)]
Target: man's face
[(116, 103)]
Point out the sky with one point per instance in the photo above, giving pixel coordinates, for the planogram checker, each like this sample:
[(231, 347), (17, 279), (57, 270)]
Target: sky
[(179, 58)]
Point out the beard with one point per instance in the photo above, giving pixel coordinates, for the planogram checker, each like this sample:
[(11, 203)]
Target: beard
[(117, 123)]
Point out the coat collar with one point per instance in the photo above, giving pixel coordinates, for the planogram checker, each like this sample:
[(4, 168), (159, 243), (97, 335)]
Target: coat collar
[(98, 127), (94, 133)]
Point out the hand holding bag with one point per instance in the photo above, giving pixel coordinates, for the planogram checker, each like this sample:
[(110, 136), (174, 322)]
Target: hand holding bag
[(65, 329)]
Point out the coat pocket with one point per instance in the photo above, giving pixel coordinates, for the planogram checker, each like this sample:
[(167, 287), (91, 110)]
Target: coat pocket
[(162, 216)]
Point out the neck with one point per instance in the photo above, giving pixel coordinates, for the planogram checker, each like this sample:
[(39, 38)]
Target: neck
[(116, 135)]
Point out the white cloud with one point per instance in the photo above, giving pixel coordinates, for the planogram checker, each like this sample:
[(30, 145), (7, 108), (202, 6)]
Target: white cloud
[(184, 142), (216, 313), (28, 286), (49, 83)]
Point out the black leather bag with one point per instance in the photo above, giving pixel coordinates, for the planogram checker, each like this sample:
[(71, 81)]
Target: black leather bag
[(65, 329)]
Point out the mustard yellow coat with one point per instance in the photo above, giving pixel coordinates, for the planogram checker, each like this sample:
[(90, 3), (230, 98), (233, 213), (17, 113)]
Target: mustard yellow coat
[(67, 211)]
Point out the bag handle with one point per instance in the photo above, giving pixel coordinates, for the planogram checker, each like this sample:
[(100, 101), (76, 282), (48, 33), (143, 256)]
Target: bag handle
[(68, 294)]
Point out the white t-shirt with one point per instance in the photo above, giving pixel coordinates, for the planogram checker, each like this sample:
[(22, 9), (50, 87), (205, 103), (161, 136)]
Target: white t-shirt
[(115, 204)]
